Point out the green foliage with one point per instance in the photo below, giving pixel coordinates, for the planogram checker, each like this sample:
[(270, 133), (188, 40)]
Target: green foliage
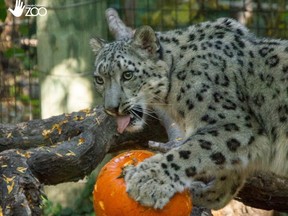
[(51, 209), (3, 10), (172, 16), (18, 70), (13, 52), (83, 205), (179, 13), (267, 18)]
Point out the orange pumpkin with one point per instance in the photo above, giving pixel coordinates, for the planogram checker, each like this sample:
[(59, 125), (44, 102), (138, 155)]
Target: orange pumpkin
[(111, 198)]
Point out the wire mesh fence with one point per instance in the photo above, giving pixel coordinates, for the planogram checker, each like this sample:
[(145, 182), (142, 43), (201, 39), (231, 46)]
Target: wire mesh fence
[(19, 77), (263, 17), (19, 83)]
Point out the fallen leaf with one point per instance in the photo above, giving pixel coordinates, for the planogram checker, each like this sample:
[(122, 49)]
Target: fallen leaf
[(70, 153), (1, 211), (20, 153), (10, 187), (27, 154), (46, 133), (78, 118), (7, 179), (57, 127), (9, 135), (21, 169), (81, 141), (58, 154)]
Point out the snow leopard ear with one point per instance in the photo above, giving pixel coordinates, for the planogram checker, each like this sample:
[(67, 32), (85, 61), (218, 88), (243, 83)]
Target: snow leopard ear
[(96, 44), (146, 39)]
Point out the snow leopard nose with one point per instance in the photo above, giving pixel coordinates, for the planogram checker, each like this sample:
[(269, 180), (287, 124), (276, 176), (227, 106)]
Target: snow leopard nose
[(112, 99)]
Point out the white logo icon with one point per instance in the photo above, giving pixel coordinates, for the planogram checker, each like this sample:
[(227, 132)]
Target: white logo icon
[(19, 8), (32, 10)]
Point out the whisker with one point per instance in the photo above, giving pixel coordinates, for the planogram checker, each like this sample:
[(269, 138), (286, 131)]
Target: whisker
[(137, 116), (147, 112)]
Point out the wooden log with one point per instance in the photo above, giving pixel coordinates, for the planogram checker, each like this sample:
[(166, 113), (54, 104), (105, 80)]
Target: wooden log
[(58, 149)]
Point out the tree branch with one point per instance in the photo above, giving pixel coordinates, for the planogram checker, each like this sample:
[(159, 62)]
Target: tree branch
[(116, 26), (265, 191), (79, 141), (59, 149)]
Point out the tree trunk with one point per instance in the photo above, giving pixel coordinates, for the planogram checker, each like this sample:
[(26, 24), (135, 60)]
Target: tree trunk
[(64, 56)]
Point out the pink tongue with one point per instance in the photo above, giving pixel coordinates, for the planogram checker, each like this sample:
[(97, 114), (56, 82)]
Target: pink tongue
[(122, 123)]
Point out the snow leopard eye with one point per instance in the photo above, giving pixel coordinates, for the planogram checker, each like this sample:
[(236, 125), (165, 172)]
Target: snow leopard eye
[(127, 75), (99, 80)]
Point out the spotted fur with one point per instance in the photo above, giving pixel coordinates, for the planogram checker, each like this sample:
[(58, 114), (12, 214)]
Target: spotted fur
[(226, 90)]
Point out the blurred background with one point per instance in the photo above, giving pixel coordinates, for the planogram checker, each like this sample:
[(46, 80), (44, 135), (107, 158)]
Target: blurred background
[(46, 63)]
